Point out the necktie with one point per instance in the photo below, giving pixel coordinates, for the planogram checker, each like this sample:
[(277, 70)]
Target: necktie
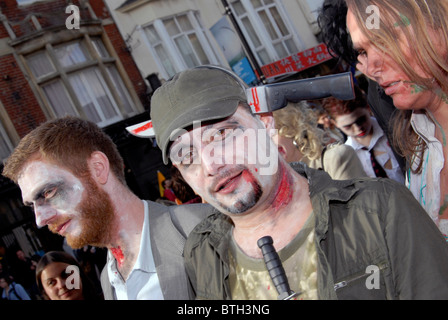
[(377, 168)]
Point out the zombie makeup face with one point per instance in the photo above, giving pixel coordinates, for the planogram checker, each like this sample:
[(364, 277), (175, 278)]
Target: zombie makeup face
[(71, 207), (356, 124), (54, 193), (222, 162)]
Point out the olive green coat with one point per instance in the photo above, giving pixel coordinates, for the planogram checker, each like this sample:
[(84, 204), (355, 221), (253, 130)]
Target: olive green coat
[(360, 224)]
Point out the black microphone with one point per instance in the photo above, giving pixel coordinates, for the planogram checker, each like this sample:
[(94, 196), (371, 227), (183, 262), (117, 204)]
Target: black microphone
[(275, 268)]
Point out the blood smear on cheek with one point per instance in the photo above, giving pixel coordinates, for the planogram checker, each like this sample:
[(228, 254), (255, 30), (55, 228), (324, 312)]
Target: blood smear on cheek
[(248, 177)]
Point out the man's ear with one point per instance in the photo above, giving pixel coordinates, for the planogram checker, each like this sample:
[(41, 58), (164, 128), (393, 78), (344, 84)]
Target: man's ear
[(268, 120), (99, 167)]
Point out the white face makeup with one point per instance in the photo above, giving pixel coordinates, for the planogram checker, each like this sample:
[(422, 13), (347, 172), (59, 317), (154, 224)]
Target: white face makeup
[(223, 162), (55, 194), (356, 124)]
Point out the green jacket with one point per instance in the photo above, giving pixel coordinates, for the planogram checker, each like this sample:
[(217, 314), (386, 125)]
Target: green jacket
[(359, 223)]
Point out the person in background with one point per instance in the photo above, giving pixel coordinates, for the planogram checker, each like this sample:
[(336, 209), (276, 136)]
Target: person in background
[(184, 193), (299, 139), (407, 55), (11, 289), (332, 23), (24, 273), (354, 119), (325, 123), (59, 282), (92, 260), (168, 192)]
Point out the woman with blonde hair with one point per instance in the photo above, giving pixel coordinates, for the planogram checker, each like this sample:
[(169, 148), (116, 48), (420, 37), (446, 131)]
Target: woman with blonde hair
[(402, 45), (299, 139)]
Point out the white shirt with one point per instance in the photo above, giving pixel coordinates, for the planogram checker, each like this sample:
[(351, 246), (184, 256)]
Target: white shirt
[(143, 282), (380, 144), (426, 185)]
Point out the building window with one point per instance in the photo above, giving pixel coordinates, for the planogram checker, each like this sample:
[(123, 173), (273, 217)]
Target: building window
[(5, 144), (179, 42), (266, 28), (80, 78)]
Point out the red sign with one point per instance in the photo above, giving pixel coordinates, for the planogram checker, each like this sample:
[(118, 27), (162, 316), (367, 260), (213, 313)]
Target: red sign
[(145, 127), (298, 62)]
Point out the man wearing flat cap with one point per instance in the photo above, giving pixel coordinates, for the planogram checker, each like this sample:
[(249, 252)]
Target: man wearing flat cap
[(354, 239)]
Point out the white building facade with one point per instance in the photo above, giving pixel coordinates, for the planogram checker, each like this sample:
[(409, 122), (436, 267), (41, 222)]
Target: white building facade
[(168, 36)]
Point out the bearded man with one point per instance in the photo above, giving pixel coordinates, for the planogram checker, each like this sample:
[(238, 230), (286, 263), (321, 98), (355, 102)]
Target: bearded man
[(71, 173)]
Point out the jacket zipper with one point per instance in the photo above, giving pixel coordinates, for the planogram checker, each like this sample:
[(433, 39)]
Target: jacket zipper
[(345, 283)]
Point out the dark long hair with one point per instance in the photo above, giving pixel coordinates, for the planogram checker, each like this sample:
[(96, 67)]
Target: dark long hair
[(88, 289), (331, 21)]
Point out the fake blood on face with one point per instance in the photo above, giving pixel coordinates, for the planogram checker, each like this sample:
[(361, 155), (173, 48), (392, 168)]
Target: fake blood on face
[(118, 254)]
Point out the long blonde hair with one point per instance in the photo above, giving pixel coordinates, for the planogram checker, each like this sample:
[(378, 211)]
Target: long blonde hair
[(418, 21), (299, 123)]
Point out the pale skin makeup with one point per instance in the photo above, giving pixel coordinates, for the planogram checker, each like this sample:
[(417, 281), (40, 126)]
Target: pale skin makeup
[(257, 204), (96, 209), (84, 211), (54, 194), (54, 278), (357, 125)]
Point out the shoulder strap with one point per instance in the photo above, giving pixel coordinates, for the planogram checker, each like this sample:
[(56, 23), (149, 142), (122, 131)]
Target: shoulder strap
[(322, 157), (13, 291)]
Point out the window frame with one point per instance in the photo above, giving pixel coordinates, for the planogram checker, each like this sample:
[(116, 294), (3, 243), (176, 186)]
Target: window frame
[(7, 131), (101, 60), (166, 41), (6, 142), (266, 44)]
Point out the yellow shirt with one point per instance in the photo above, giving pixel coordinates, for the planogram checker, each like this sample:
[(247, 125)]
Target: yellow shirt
[(250, 280)]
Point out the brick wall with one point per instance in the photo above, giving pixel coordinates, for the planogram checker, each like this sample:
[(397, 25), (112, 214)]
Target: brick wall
[(15, 92), (18, 98)]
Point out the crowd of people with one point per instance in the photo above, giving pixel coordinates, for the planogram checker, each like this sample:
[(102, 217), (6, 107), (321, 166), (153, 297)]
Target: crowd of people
[(340, 187)]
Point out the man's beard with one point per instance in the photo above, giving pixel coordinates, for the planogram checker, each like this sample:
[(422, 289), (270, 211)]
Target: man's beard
[(244, 204), (96, 217), (245, 201)]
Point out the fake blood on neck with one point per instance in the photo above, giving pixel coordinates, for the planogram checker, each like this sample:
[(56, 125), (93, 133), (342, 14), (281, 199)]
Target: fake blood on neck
[(118, 254), (284, 192)]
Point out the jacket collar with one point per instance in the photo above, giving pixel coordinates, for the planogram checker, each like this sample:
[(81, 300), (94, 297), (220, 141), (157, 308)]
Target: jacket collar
[(324, 190)]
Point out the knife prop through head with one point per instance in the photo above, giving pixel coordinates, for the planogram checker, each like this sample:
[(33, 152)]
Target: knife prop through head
[(271, 97)]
